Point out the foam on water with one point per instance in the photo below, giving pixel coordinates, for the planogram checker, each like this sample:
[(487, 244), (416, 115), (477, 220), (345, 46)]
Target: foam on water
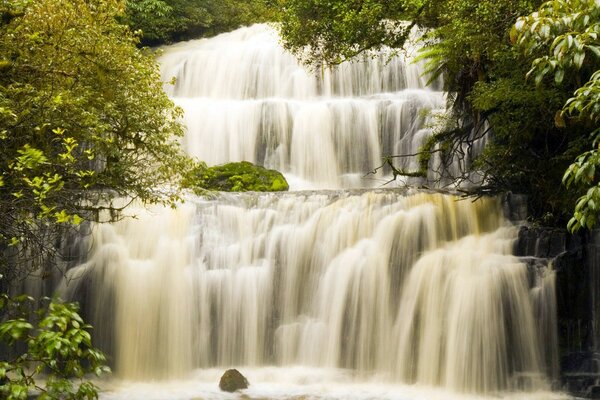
[(296, 383)]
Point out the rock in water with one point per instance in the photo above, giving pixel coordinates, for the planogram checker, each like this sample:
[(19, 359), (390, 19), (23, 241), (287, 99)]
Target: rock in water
[(235, 177), (233, 380)]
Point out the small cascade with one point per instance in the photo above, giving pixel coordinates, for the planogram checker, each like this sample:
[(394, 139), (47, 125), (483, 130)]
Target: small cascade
[(418, 288), (246, 99)]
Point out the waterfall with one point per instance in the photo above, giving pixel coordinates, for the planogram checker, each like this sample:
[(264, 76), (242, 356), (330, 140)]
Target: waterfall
[(394, 284), (416, 287), (246, 99)]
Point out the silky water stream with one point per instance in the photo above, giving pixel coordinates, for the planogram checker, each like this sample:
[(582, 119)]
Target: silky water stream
[(338, 289)]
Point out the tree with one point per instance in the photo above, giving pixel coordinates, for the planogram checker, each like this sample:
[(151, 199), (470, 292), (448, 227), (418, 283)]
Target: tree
[(568, 32), (330, 32), (59, 347), (469, 45), (165, 21), (83, 121), (466, 42)]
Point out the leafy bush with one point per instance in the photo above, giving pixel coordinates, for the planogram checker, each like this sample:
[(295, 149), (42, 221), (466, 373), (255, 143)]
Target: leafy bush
[(565, 37), (55, 354)]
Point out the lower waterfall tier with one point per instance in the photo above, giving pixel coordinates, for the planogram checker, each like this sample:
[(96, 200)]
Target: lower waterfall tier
[(410, 287)]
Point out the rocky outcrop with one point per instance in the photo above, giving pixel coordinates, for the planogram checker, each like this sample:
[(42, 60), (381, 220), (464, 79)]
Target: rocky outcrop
[(576, 262), (236, 177)]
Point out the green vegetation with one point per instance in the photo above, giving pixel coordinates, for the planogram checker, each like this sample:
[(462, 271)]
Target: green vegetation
[(235, 177), (58, 349), (165, 21), (329, 32), (83, 120), (469, 45), (568, 34), (535, 132)]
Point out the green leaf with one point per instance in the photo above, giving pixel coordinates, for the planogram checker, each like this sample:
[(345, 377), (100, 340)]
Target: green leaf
[(559, 76), (578, 59)]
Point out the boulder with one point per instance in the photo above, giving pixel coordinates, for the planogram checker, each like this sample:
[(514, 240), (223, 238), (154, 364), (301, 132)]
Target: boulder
[(233, 380), (236, 177)]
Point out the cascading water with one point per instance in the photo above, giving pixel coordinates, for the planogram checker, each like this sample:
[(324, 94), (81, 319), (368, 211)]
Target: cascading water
[(246, 99), (391, 286)]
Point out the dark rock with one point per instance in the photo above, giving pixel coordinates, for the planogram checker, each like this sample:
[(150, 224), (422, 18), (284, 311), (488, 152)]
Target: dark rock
[(542, 242), (552, 242), (594, 392), (233, 380), (515, 207), (526, 244)]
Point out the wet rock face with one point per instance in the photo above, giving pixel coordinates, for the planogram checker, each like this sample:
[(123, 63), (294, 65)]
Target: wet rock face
[(576, 262), (233, 380), (515, 207), (544, 242)]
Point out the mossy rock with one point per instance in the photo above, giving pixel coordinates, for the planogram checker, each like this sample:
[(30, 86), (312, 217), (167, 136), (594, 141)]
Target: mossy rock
[(236, 177), (233, 380)]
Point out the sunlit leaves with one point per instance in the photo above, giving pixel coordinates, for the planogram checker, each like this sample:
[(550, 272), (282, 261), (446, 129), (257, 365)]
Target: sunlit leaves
[(29, 158), (569, 31), (83, 118), (586, 102)]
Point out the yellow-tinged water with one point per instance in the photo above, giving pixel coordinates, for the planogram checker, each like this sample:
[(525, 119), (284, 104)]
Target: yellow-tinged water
[(410, 288)]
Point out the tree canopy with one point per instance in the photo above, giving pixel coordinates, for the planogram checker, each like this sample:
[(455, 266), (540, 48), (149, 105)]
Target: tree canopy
[(164, 21), (330, 32), (567, 33), (533, 132), (83, 120)]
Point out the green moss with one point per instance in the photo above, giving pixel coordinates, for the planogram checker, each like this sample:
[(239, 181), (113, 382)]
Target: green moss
[(236, 177)]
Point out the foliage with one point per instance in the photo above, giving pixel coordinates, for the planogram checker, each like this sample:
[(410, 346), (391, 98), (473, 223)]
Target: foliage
[(83, 120), (468, 44), (55, 350), (235, 177), (331, 31), (164, 21), (568, 34), (467, 41)]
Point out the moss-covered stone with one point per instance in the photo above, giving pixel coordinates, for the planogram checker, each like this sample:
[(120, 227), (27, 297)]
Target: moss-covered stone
[(233, 380), (236, 177)]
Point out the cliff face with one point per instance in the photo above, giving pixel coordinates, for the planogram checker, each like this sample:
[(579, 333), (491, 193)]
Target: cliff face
[(576, 262)]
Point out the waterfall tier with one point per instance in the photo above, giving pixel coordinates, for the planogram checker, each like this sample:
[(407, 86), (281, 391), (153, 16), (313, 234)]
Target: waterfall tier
[(246, 99), (419, 288)]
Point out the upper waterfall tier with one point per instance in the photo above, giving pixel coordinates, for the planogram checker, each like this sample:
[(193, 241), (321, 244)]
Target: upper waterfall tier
[(246, 99), (250, 63)]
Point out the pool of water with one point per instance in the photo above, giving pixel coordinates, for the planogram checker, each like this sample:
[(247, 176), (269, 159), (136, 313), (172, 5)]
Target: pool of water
[(296, 383)]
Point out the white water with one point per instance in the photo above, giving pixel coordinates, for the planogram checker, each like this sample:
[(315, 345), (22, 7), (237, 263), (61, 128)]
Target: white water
[(246, 99), (297, 383), (324, 294), (417, 288)]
